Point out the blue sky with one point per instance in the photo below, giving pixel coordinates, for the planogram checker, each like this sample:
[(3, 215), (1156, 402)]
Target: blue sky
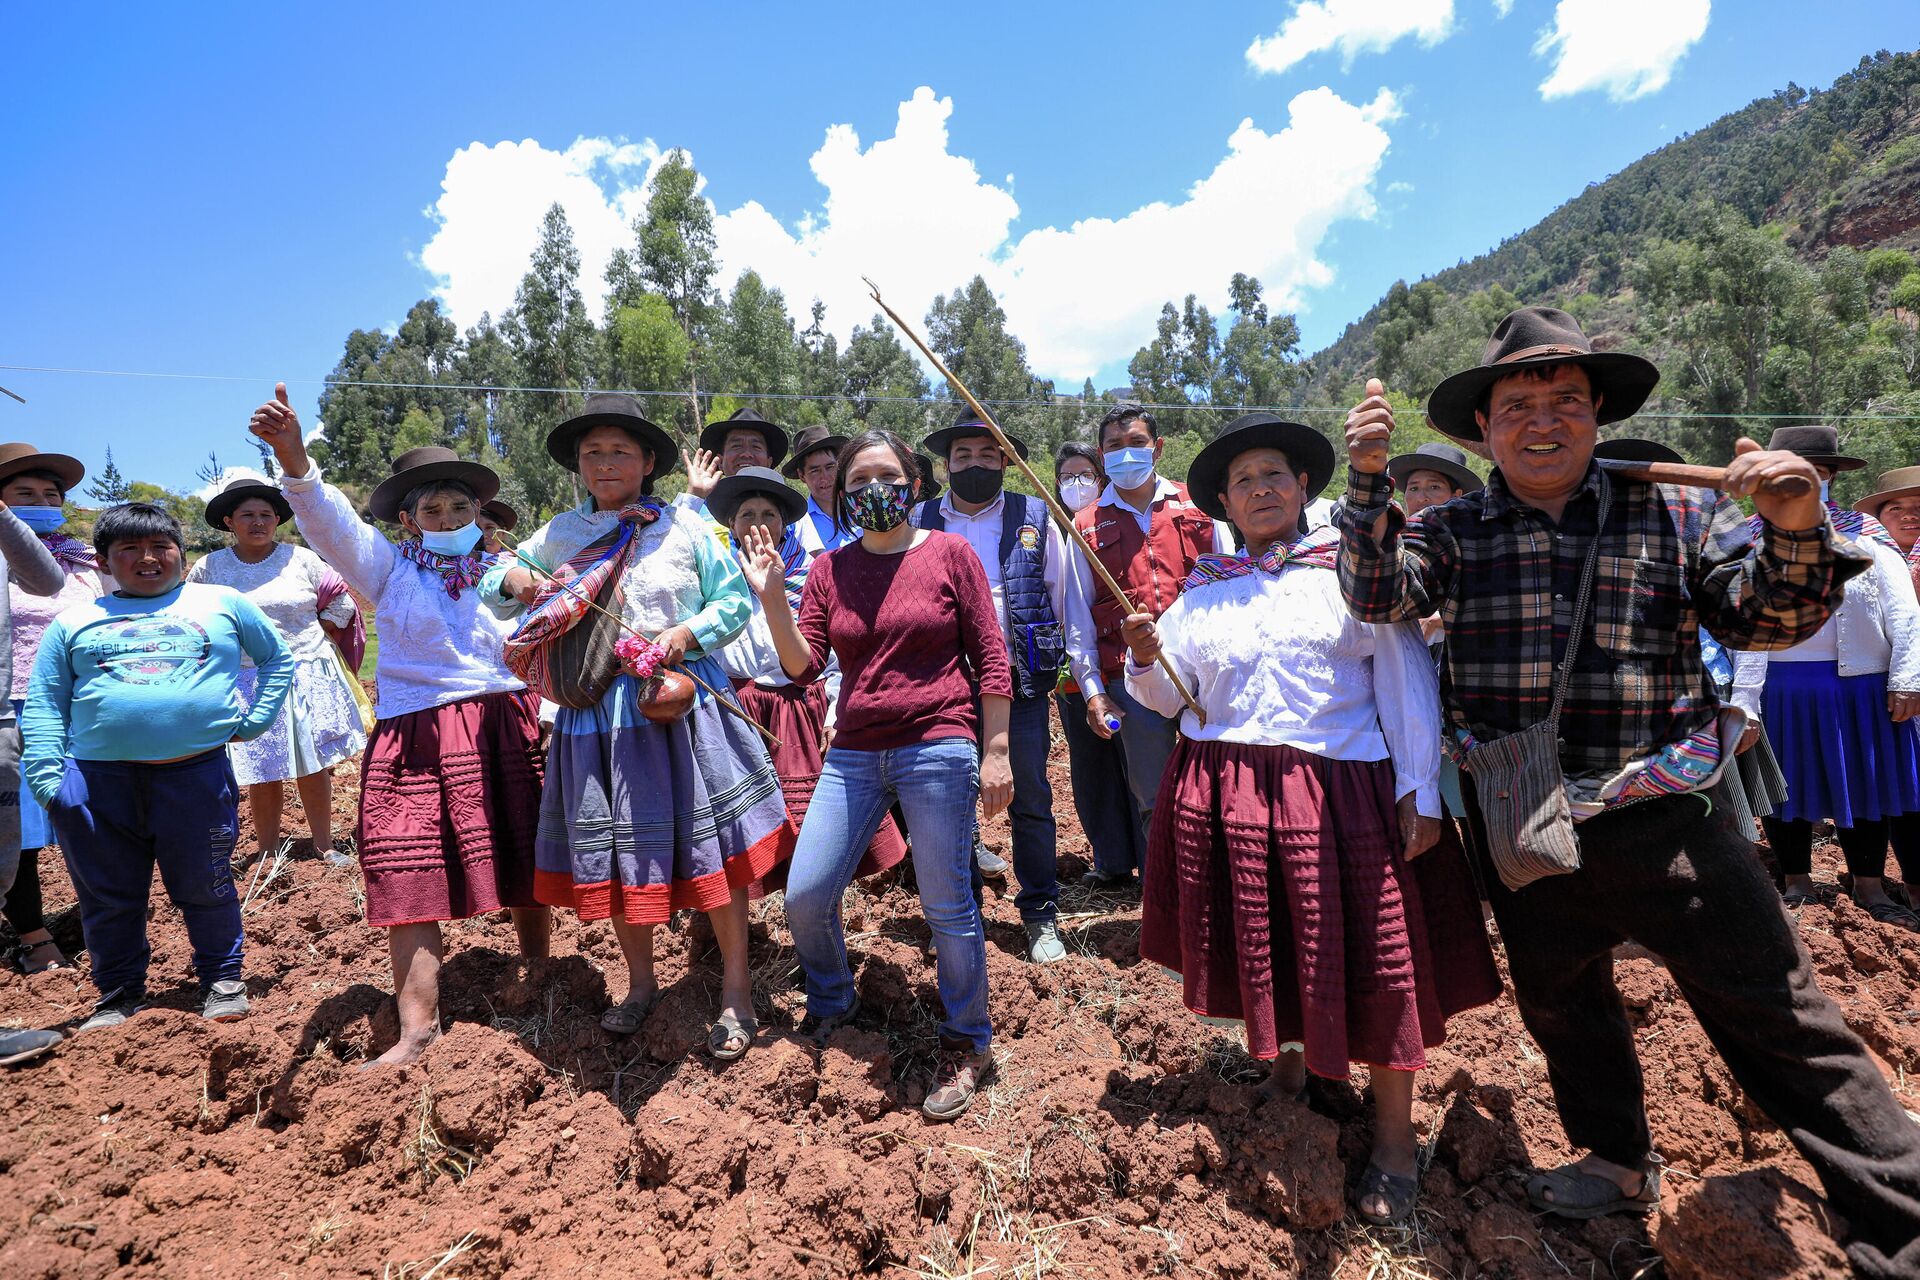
[(225, 190)]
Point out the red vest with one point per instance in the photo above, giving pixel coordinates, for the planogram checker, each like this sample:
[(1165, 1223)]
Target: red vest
[(1150, 566)]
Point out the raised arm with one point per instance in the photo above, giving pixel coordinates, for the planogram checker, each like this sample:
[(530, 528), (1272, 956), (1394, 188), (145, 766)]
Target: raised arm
[(1390, 570), (29, 563), (325, 518), (802, 657)]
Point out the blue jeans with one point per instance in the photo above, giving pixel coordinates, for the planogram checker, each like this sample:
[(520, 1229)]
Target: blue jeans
[(1102, 796), (1148, 738), (937, 784), (1035, 838), (116, 821)]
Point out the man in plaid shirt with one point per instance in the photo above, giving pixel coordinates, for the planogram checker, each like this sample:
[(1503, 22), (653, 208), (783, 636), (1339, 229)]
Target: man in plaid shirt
[(1660, 863)]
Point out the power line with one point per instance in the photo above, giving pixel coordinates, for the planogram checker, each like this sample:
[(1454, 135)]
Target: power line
[(1060, 402)]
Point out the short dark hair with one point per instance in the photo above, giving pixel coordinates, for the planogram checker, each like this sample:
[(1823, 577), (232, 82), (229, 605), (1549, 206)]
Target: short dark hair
[(1526, 373), (859, 444), (1122, 415), (133, 522), (1076, 449), (40, 473), (432, 488)]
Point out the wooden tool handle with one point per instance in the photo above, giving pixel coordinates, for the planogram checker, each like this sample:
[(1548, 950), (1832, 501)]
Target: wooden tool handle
[(1699, 477)]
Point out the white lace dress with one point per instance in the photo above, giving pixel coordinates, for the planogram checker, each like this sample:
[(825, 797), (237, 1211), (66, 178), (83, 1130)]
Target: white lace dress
[(319, 726)]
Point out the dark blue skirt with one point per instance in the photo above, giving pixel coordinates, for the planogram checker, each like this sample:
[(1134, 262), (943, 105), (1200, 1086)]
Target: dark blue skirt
[(1843, 757)]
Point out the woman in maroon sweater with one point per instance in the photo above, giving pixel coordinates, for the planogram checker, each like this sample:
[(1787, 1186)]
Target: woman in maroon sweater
[(924, 691)]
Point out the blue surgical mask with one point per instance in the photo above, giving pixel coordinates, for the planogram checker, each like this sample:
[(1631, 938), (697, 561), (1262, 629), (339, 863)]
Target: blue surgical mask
[(1826, 491), (41, 519), (1128, 468), (451, 542)]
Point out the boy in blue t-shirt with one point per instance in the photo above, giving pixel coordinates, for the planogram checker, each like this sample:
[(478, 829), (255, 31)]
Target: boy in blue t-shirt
[(133, 700)]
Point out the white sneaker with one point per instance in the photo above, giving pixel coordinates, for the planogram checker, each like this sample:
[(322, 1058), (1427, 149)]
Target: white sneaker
[(1043, 942)]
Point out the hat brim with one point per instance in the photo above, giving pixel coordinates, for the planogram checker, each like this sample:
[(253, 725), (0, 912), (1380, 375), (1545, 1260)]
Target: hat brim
[(563, 442), (714, 437), (386, 499), (1620, 380), (1306, 449), (792, 466), (1871, 504), (223, 504), (1634, 450), (940, 443), (70, 469), (1398, 469), (724, 502), (1835, 461)]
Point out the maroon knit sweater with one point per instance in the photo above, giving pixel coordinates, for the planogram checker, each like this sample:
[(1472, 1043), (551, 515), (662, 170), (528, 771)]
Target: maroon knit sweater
[(917, 637)]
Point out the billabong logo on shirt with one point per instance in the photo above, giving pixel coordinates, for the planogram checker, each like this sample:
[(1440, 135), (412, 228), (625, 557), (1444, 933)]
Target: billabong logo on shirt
[(152, 649)]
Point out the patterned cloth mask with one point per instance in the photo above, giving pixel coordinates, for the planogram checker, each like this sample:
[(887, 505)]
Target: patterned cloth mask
[(879, 505)]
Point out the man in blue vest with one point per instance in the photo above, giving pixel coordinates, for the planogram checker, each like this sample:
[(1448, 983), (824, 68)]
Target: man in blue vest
[(1047, 625)]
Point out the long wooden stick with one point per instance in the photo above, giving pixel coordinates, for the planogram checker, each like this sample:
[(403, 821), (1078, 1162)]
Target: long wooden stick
[(501, 536), (1686, 473), (1045, 490)]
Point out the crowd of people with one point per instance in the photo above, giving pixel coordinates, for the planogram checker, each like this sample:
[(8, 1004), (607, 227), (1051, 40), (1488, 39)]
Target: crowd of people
[(1316, 736)]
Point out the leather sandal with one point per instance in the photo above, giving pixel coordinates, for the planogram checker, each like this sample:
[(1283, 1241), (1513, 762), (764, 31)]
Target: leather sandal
[(1887, 911), (625, 1018), (1399, 1194), (1796, 898), (1580, 1195), (731, 1037)]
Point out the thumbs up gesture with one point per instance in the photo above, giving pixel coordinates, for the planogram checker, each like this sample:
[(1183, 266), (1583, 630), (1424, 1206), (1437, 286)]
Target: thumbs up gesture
[(1369, 428), (276, 423)]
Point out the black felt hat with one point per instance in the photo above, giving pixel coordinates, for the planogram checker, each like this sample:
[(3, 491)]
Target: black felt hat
[(420, 466), (1817, 444), (1444, 459), (1306, 449), (222, 504), (724, 502), (611, 409), (1536, 336), (1631, 449), (930, 488), (810, 440), (940, 443), (714, 435)]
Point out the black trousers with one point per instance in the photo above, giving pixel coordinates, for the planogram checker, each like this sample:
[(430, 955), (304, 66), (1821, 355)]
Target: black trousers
[(1864, 845), (1686, 885), (24, 909)]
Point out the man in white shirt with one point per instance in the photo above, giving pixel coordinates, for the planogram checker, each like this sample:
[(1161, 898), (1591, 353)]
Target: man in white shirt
[(815, 463), (1047, 626)]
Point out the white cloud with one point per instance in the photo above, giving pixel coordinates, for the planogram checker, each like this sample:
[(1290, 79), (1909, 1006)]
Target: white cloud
[(227, 476), (1501, 8), (493, 198), (1351, 26), (921, 221), (1627, 47)]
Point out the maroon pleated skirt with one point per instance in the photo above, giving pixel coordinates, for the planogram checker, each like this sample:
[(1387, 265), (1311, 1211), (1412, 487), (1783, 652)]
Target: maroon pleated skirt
[(797, 716), (449, 804), (1276, 888)]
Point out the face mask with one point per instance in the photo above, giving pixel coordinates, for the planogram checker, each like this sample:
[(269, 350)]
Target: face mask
[(1129, 468), (451, 542), (976, 484), (41, 519), (1078, 492), (1826, 491), (878, 505)]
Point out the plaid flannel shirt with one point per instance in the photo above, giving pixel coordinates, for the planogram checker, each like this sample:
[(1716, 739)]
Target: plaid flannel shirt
[(1504, 579)]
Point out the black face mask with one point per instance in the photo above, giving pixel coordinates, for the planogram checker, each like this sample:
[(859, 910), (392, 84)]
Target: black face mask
[(977, 484)]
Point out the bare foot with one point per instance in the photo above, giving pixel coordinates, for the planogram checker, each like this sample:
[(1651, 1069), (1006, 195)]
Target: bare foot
[(1287, 1080), (406, 1050)]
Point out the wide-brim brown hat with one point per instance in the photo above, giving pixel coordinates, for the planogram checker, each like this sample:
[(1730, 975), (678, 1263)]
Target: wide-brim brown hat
[(713, 437), (223, 504), (1901, 482), (501, 514), (1306, 449), (748, 482), (1537, 336), (1818, 444), (611, 409), (421, 466), (18, 457), (940, 443), (1443, 459), (1633, 449), (930, 487), (810, 441)]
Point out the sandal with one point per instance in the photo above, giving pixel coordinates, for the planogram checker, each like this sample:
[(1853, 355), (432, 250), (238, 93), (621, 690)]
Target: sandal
[(22, 957), (1887, 911), (1795, 898), (731, 1037), (625, 1018), (1581, 1195), (1398, 1192)]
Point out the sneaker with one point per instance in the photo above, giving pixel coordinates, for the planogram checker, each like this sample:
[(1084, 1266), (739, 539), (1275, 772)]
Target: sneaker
[(342, 853), (959, 1075), (114, 1008), (1043, 942), (225, 1001), (17, 1047), (819, 1030), (991, 864)]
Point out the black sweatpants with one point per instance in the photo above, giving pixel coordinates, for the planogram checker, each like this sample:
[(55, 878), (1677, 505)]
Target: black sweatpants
[(1686, 885), (1864, 846)]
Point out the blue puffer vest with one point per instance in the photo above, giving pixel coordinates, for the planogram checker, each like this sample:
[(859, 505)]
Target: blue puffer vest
[(1036, 642)]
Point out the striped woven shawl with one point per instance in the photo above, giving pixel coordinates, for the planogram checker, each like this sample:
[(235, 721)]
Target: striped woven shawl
[(561, 659)]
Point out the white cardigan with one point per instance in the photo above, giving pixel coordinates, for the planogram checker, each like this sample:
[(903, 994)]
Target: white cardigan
[(1875, 628)]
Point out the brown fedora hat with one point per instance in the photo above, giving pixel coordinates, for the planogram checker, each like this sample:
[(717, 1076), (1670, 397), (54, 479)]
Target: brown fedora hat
[(1441, 459), (416, 467), (1536, 336), (1897, 483), (501, 514), (1816, 443), (18, 457), (713, 437), (222, 504), (612, 409), (810, 440)]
